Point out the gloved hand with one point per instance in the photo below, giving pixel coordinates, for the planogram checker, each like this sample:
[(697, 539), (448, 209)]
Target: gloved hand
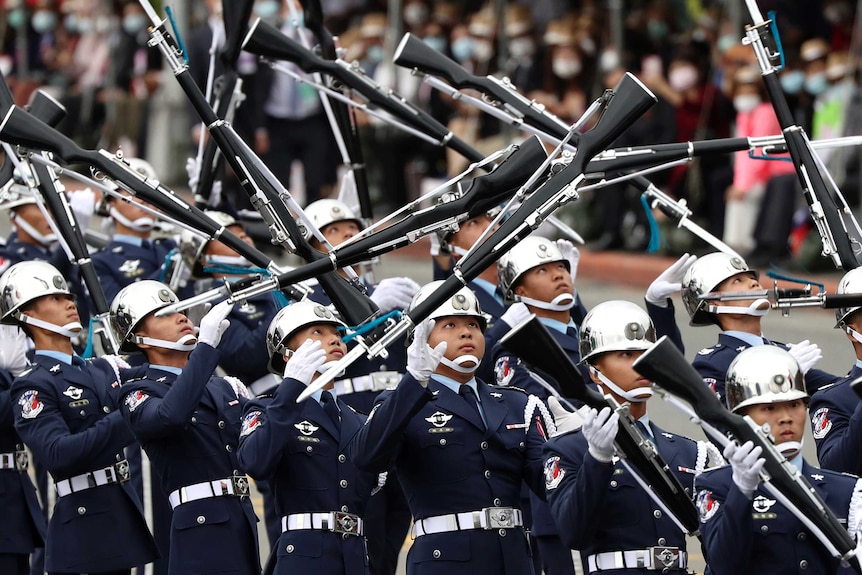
[(214, 200), (13, 352), (305, 361), (214, 324), (564, 419), (193, 173), (806, 354), (394, 293), (572, 255), (83, 203), (746, 463), (436, 247), (117, 363), (600, 430), (238, 387), (669, 281), (515, 314), (422, 359)]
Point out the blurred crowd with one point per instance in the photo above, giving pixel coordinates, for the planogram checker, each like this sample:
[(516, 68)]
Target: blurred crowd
[(93, 56)]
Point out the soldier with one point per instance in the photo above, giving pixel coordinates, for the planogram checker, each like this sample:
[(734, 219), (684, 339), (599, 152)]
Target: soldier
[(301, 448), (461, 461), (596, 503), (66, 411), (188, 422), (739, 320), (23, 528), (836, 412), (744, 529)]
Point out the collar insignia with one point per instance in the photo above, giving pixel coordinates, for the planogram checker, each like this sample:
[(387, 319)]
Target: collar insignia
[(55, 369)]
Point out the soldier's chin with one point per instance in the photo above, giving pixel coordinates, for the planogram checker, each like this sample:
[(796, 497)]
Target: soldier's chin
[(188, 339), (74, 326)]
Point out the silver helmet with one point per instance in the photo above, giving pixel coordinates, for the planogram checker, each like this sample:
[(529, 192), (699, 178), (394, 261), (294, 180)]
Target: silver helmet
[(464, 302), (615, 326), (324, 212), (763, 374), (25, 282), (15, 194), (851, 283), (702, 277), (132, 304), (192, 246), (530, 252), (143, 167), (288, 321)]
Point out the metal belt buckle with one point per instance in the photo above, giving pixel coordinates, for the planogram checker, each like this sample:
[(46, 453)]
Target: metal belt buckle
[(22, 461), (122, 471), (499, 517), (346, 523), (240, 485), (666, 558)]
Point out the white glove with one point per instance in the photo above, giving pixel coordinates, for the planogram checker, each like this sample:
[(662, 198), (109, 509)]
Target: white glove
[(572, 255), (193, 173), (746, 463), (515, 314), (238, 387), (83, 203), (214, 324), (600, 430), (806, 354), (422, 359), (564, 419), (214, 200), (436, 250), (394, 293), (117, 363), (669, 282), (305, 361), (13, 352)]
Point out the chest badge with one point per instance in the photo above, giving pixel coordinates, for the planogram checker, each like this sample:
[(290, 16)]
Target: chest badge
[(30, 404), (73, 392), (305, 427), (761, 504), (130, 267), (438, 419)]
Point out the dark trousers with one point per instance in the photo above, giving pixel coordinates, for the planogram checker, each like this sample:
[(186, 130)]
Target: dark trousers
[(14, 564)]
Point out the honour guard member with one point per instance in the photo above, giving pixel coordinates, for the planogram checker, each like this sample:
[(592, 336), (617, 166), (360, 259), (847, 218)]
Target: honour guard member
[(66, 411), (739, 320), (23, 527), (188, 422), (301, 449), (744, 529), (597, 504), (460, 447), (836, 412)]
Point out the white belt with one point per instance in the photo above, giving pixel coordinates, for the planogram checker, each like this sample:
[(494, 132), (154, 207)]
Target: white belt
[(236, 485), (653, 558), (336, 521), (487, 518), (17, 460), (116, 473), (264, 384), (377, 381)]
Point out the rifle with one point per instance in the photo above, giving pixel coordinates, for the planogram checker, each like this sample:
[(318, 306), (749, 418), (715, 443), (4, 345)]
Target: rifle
[(531, 341), (630, 100), (665, 365)]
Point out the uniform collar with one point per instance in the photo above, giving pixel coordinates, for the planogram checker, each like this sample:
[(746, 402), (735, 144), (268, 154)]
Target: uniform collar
[(455, 385), (168, 368), (645, 421), (749, 338), (557, 325), (124, 239), (797, 461), (859, 363), (58, 355), (486, 286)]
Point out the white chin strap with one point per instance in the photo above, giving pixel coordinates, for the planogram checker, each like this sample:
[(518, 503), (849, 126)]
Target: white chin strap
[(562, 302), (185, 343), (69, 330), (238, 261), (327, 366), (636, 395), (458, 363), (758, 308), (44, 239), (457, 250), (854, 334), (789, 449), (142, 224)]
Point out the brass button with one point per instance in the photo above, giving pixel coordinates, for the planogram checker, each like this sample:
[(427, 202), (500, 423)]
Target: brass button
[(194, 419), (342, 458), (801, 536), (83, 412), (442, 441), (764, 528), (229, 448), (656, 514), (221, 424), (309, 448), (436, 553), (344, 508), (487, 474), (613, 483), (497, 502), (522, 444), (484, 445), (502, 532), (106, 409), (662, 541), (201, 519), (82, 510), (289, 549), (803, 564), (343, 483)]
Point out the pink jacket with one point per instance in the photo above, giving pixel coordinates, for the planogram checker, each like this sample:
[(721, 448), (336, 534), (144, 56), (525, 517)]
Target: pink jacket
[(748, 172)]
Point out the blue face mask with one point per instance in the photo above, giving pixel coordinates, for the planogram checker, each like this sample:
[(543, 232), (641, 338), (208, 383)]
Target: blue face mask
[(816, 84), (657, 30), (300, 19), (437, 43), (16, 18), (267, 10), (462, 48), (44, 21), (374, 54), (791, 82), (71, 23), (134, 23)]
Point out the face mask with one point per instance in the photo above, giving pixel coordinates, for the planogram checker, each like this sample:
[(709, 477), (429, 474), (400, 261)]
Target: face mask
[(44, 21), (725, 42), (657, 30), (566, 68), (587, 46), (374, 54), (483, 50), (562, 302), (16, 18), (266, 10), (437, 43), (47, 240), (746, 102), (71, 23), (103, 24), (609, 60), (185, 343), (792, 82), (142, 224), (683, 78), (636, 395), (134, 23), (85, 26), (462, 48), (522, 47), (299, 20), (816, 84), (458, 363), (415, 14)]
